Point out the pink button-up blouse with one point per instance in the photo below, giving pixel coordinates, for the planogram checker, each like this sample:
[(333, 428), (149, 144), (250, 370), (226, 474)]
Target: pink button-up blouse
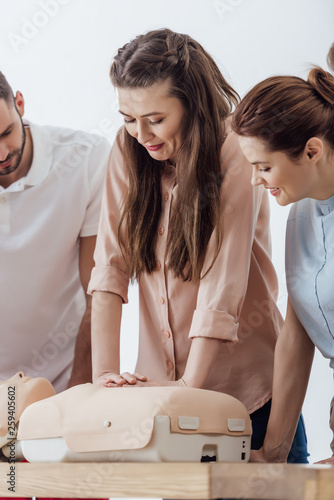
[(234, 302)]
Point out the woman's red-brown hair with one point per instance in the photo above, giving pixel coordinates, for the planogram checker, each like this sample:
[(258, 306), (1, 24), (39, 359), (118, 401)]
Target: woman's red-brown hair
[(286, 111)]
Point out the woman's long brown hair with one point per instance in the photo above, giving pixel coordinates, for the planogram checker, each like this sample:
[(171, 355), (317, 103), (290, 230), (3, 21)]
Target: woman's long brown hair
[(208, 99)]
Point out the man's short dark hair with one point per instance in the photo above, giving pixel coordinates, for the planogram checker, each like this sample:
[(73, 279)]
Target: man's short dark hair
[(6, 91)]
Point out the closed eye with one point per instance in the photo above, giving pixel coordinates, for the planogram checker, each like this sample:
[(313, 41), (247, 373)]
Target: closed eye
[(149, 121), (7, 132), (155, 123), (264, 169)]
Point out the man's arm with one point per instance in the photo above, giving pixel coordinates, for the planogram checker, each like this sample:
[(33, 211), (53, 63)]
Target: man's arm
[(82, 365)]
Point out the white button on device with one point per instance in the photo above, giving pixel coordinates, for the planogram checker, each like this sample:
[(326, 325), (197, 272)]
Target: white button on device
[(191, 423), (236, 424)]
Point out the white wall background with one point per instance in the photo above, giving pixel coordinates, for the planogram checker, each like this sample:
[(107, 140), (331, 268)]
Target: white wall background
[(58, 53)]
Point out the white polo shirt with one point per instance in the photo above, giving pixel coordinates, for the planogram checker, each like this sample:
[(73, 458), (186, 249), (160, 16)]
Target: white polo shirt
[(42, 217)]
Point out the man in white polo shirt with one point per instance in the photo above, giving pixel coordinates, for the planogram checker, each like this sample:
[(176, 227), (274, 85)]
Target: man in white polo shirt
[(50, 192)]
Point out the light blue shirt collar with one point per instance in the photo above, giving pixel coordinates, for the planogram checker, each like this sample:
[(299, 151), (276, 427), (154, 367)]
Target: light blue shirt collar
[(325, 206)]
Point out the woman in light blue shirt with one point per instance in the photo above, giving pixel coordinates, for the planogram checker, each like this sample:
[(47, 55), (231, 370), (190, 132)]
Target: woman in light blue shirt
[(286, 130)]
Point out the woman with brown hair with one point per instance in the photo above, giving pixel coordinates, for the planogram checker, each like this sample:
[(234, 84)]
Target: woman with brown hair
[(181, 218), (286, 131)]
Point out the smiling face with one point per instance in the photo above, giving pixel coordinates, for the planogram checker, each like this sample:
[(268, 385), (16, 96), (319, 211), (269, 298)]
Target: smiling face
[(154, 118), (287, 180)]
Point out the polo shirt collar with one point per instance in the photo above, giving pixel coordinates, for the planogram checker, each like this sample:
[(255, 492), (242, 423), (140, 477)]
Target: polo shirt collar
[(42, 155)]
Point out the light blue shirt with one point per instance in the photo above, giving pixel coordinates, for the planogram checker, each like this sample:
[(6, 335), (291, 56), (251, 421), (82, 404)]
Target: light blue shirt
[(310, 269)]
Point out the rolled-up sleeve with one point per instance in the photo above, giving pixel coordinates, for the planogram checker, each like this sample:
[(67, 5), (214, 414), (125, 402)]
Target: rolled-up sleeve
[(223, 289), (110, 271)]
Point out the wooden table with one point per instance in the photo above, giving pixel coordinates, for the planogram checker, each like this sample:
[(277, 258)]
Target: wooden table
[(169, 480)]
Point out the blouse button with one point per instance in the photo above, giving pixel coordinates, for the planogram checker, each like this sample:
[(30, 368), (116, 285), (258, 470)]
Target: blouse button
[(167, 334), (161, 300), (157, 265), (170, 365), (166, 196), (161, 230)]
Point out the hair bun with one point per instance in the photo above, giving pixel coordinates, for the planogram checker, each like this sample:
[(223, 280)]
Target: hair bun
[(323, 83), (330, 58)]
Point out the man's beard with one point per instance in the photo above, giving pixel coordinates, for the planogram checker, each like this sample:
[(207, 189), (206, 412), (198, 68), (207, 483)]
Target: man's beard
[(16, 155)]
